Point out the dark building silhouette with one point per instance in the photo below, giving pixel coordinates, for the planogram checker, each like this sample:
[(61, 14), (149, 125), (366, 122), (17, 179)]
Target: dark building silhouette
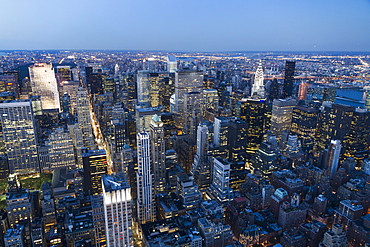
[(94, 166), (288, 79)]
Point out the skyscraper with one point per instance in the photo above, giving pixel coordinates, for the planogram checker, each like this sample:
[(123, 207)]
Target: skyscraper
[(84, 118), (333, 157), (117, 210), (220, 187), (258, 88), (43, 83), (171, 64), (61, 150), (158, 153), (281, 116), (288, 79), (253, 112), (201, 166), (143, 87), (18, 134), (94, 167), (304, 120), (186, 81), (145, 180)]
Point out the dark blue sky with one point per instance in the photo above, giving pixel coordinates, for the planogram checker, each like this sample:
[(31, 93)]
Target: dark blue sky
[(191, 25)]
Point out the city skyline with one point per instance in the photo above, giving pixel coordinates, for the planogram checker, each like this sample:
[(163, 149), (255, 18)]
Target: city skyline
[(194, 26)]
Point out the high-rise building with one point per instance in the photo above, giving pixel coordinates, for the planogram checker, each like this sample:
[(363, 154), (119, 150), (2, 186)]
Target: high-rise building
[(158, 153), (71, 88), (145, 180), (201, 166), (94, 167), (94, 79), (333, 124), (65, 72), (186, 82), (143, 87), (18, 135), (333, 157), (61, 150), (84, 118), (220, 186), (303, 88), (258, 88), (193, 114), (211, 99), (117, 210), (43, 83), (281, 116), (304, 120), (288, 79), (220, 132), (237, 139), (253, 112), (171, 64), (356, 141)]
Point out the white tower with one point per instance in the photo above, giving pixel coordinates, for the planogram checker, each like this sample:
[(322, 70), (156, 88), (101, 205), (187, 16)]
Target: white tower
[(145, 180), (116, 70), (117, 210), (258, 87)]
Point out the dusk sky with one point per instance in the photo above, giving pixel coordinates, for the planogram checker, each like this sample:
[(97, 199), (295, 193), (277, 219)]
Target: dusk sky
[(192, 25)]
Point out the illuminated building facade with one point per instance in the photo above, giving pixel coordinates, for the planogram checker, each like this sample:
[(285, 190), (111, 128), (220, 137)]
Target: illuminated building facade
[(193, 114), (143, 87), (61, 150), (18, 134), (303, 88), (43, 83), (281, 116), (253, 112), (186, 82), (201, 166), (304, 120), (288, 79), (220, 186), (117, 210), (237, 139), (211, 99), (158, 153), (9, 83), (333, 124), (145, 180), (356, 141), (333, 157), (65, 72), (94, 167), (84, 118), (258, 88)]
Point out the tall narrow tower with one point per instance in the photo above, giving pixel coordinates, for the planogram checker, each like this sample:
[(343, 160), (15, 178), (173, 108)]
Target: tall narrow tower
[(84, 118), (258, 88), (158, 153), (145, 180), (333, 157), (117, 210), (201, 166), (288, 79)]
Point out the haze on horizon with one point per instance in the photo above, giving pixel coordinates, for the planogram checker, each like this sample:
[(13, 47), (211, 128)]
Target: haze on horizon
[(235, 25)]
